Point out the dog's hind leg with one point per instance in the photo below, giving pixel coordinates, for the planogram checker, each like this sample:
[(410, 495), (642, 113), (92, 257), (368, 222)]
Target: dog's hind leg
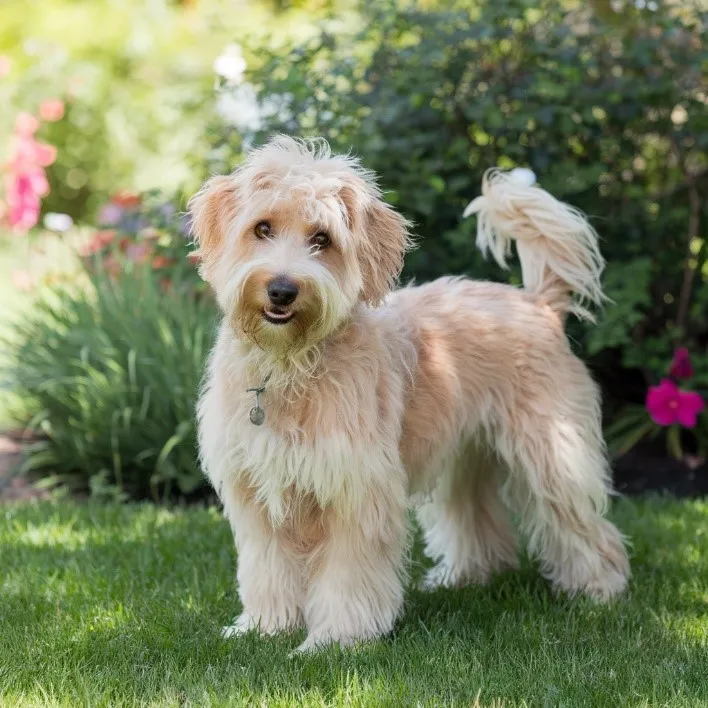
[(466, 527), (559, 485)]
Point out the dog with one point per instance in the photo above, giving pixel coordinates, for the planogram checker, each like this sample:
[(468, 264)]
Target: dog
[(333, 401)]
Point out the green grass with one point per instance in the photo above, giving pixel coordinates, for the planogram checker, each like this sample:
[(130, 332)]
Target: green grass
[(110, 605)]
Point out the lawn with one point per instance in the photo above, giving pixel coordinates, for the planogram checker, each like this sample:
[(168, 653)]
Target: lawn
[(122, 605)]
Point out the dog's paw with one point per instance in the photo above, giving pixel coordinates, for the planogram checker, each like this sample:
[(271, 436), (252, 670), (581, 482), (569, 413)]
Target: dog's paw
[(318, 642), (605, 589), (243, 624), (246, 622), (311, 645), (443, 577)]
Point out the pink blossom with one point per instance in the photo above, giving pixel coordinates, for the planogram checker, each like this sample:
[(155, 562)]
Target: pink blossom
[(667, 404), (26, 180), (681, 367), (23, 202), (5, 65), (51, 110), (26, 124), (138, 252), (26, 154), (98, 242), (45, 154)]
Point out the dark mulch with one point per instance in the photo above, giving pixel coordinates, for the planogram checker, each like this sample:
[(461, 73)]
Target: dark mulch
[(648, 469)]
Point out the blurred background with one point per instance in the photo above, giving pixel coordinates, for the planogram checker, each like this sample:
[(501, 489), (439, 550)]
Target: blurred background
[(116, 110)]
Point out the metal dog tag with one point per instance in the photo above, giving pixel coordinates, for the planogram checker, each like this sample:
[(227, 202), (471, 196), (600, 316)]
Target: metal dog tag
[(257, 415)]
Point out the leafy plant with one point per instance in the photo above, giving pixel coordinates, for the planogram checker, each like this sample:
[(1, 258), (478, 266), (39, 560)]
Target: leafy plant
[(144, 229), (108, 376), (673, 411)]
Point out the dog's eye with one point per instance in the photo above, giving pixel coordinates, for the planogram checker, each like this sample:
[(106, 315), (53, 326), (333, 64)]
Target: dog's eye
[(263, 229), (320, 240)]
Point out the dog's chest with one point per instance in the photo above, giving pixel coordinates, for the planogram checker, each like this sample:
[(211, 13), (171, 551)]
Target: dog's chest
[(277, 457)]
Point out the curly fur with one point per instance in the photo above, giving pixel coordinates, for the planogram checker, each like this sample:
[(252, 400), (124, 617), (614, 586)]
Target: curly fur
[(461, 397)]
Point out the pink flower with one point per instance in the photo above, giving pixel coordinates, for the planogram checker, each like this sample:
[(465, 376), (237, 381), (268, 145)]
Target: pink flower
[(5, 65), (681, 367), (98, 242), (26, 180), (51, 110), (23, 202), (26, 124), (45, 154), (667, 404), (138, 252)]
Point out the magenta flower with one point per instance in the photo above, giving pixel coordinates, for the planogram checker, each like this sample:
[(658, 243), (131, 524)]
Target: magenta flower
[(668, 404), (681, 367)]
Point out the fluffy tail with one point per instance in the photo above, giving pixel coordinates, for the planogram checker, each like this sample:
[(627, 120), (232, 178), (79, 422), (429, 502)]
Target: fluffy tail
[(557, 247)]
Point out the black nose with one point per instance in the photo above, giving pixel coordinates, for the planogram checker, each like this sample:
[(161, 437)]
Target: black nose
[(282, 291)]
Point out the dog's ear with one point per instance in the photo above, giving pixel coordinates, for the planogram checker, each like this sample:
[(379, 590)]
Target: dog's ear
[(212, 209), (382, 249)]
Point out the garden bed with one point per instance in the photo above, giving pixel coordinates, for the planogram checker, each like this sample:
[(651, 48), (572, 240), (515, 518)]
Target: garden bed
[(644, 470)]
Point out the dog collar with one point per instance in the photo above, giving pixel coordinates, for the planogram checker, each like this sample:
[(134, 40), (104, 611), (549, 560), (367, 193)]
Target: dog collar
[(257, 414)]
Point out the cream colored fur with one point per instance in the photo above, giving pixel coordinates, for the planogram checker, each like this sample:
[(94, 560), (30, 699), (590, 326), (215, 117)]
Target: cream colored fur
[(462, 395)]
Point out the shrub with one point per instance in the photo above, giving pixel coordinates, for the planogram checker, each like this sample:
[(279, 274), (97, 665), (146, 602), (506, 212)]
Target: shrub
[(108, 375)]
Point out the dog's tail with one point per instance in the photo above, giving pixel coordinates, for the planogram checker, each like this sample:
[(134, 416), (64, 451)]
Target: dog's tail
[(558, 249)]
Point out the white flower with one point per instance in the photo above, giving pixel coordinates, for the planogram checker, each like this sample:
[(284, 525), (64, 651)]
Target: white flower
[(57, 222), (239, 107), (230, 64), (679, 115)]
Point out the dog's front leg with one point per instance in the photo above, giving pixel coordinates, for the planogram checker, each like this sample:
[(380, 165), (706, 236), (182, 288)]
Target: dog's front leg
[(356, 586), (270, 577)]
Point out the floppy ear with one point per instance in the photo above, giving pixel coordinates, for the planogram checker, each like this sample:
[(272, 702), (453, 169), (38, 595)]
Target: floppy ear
[(212, 209), (385, 242)]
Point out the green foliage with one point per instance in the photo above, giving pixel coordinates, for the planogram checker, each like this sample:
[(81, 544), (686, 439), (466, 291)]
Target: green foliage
[(108, 375), (608, 108), (137, 78)]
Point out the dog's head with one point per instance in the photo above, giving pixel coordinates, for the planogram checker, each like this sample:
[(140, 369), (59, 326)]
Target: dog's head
[(293, 240)]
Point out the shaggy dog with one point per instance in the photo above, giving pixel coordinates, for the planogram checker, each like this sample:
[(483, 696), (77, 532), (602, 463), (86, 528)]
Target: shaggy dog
[(332, 400)]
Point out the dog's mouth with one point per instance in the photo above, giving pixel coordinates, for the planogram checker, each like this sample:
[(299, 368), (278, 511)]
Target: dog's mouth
[(277, 315)]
